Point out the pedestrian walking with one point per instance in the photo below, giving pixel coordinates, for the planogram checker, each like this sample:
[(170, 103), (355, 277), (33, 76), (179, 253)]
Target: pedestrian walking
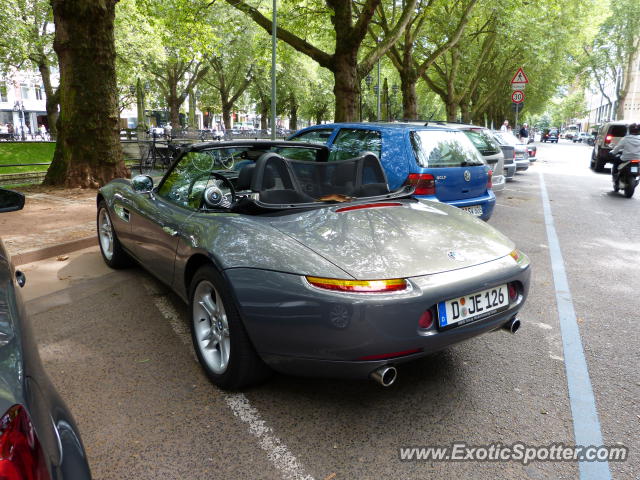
[(505, 126), (524, 133)]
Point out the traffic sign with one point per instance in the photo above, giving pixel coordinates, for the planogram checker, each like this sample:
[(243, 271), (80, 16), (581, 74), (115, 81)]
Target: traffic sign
[(517, 96), (517, 107), (518, 86), (520, 77)]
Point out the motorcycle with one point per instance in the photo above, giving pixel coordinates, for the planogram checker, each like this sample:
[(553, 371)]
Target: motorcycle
[(627, 177)]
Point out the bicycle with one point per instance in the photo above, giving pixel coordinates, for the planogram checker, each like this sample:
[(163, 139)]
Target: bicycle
[(153, 158)]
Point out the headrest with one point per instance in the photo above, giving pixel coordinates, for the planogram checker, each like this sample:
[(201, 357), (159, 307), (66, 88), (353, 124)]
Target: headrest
[(245, 176)]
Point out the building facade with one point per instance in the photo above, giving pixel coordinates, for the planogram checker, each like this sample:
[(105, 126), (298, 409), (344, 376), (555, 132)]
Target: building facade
[(23, 101)]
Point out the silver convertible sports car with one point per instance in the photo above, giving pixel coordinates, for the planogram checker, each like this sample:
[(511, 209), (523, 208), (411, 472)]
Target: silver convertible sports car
[(294, 263)]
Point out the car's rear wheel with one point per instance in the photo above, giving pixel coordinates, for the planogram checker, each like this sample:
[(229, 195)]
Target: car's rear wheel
[(629, 189), (112, 252), (218, 334)]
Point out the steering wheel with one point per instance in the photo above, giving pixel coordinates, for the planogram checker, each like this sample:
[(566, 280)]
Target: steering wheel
[(213, 196)]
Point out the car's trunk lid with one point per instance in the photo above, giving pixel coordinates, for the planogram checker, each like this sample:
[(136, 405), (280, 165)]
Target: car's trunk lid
[(396, 239)]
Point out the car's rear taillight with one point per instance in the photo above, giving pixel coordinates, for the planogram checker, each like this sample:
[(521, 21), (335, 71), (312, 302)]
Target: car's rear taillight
[(425, 183), (490, 179), (607, 139), (21, 455), (359, 286)]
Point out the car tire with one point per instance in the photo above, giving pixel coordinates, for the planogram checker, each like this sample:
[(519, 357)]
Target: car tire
[(599, 165), (220, 340), (592, 164), (616, 185), (112, 252)]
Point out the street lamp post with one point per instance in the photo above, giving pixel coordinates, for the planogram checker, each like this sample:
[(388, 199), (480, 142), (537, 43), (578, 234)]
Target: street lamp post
[(19, 107)]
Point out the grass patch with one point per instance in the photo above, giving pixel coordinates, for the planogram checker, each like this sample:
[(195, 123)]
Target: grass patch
[(12, 153)]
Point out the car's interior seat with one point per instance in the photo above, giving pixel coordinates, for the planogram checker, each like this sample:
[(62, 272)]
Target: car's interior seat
[(275, 182)]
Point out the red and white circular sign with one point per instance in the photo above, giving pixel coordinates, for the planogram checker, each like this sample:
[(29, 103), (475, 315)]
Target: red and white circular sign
[(517, 96)]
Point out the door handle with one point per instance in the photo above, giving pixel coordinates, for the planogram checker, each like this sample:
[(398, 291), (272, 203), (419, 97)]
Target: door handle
[(170, 231)]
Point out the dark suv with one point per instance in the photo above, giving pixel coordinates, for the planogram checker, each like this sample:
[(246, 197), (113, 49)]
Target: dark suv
[(608, 137), (550, 135)]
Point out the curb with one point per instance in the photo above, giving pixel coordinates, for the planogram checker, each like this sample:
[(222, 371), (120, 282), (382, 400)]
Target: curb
[(54, 250)]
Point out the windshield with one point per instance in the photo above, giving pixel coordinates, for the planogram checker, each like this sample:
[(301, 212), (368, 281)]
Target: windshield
[(444, 149)]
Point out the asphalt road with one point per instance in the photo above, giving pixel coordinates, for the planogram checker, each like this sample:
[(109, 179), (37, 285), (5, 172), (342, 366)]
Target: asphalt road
[(116, 346)]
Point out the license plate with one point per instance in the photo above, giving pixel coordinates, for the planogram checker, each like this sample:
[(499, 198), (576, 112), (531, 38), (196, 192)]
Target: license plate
[(634, 169), (474, 210), (472, 307)]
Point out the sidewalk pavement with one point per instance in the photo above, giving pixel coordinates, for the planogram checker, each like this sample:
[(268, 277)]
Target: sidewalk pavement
[(53, 222)]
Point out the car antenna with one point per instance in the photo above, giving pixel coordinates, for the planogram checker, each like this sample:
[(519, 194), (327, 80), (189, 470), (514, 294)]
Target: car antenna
[(430, 118)]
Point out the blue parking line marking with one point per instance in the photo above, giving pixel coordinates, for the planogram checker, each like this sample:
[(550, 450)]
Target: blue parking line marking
[(586, 426)]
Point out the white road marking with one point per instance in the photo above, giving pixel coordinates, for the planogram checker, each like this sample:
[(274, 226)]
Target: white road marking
[(555, 357), (277, 452)]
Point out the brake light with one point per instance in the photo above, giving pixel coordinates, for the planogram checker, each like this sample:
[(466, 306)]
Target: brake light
[(608, 139), (367, 205), (490, 180), (425, 183), (426, 320), (513, 291), (634, 161), (359, 286), (514, 154), (21, 456)]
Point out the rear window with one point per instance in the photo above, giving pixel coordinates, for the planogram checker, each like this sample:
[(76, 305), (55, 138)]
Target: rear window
[(483, 142), (617, 130), (442, 149)]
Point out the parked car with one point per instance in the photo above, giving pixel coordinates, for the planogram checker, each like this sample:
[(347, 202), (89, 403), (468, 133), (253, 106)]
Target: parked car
[(488, 147), (38, 435), (532, 152), (550, 135), (608, 137), (582, 137), (442, 162), (509, 154), (311, 267), (520, 149)]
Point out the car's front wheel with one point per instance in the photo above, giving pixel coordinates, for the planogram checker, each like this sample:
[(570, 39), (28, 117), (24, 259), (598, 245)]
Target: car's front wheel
[(112, 252), (218, 334)]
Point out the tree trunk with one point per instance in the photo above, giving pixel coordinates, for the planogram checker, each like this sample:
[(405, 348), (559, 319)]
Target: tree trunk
[(226, 114), (346, 86), (264, 115), (88, 152), (293, 116), (52, 99), (465, 110), (452, 111), (192, 111), (409, 97)]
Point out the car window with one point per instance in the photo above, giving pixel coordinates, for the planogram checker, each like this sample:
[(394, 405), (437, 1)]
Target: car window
[(318, 135), (483, 142), (444, 149), (294, 153), (618, 130), (352, 142), (191, 176), (508, 138)]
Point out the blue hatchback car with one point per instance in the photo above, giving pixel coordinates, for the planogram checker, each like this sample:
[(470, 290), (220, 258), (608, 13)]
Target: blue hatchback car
[(441, 161)]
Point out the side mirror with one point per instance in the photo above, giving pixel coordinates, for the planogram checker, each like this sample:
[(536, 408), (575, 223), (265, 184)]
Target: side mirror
[(10, 201), (142, 184)]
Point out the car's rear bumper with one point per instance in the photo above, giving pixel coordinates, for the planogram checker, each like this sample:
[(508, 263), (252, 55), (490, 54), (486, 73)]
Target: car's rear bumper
[(300, 329), (510, 171), (486, 201), (522, 165)]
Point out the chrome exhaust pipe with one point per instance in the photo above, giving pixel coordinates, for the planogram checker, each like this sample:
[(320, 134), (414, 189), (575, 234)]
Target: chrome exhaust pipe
[(512, 325), (385, 376)]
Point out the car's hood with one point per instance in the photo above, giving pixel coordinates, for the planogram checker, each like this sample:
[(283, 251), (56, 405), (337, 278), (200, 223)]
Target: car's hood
[(413, 239)]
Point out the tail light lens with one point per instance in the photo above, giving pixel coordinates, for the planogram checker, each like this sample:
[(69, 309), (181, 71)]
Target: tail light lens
[(490, 180), (384, 356), (513, 291), (425, 184), (21, 456), (359, 286), (607, 139)]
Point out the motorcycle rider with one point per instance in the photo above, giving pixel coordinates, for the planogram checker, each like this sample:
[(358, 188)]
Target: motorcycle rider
[(629, 145)]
